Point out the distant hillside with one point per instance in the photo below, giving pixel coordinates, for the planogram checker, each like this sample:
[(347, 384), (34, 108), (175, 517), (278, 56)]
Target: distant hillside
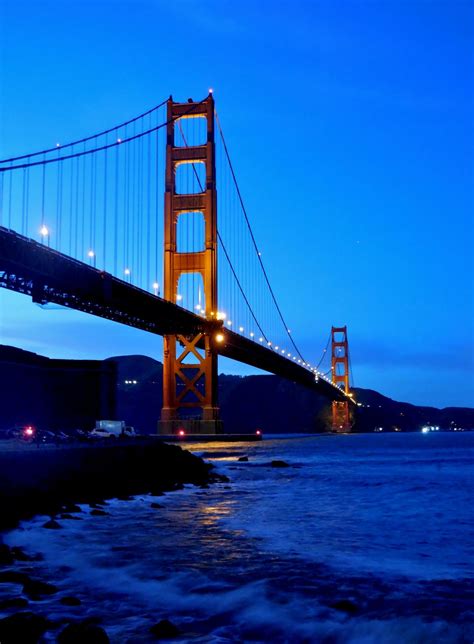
[(75, 393), (271, 403)]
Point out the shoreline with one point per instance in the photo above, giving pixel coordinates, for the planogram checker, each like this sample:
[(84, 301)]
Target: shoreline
[(49, 480), (52, 481)]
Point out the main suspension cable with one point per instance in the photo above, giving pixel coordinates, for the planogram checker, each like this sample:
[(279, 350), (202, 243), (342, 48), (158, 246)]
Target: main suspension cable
[(87, 138)]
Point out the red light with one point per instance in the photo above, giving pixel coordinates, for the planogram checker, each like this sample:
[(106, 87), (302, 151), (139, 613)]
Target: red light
[(29, 431), (258, 432), (181, 432)]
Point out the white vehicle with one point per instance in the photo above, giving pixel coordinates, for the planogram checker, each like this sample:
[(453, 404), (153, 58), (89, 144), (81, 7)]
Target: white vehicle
[(112, 429)]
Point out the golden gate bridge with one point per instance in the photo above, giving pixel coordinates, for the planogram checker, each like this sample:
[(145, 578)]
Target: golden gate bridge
[(84, 225)]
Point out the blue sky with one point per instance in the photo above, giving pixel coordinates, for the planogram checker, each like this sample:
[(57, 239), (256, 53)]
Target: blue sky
[(350, 128)]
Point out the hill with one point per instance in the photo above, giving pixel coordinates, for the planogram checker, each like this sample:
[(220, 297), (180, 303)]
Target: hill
[(272, 404)]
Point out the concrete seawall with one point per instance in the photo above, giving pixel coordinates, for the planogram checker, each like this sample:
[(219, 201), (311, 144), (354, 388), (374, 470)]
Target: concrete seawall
[(41, 479)]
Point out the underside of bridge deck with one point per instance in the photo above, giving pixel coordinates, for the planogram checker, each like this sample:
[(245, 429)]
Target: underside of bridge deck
[(46, 275)]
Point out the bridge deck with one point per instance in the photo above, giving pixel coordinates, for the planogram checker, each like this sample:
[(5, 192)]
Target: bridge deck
[(46, 275)]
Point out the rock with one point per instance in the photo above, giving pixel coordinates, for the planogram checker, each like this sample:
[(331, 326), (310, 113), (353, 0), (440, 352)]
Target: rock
[(20, 555), (71, 507), (52, 524), (165, 630), (96, 505), (70, 601), (83, 632), (157, 506), (346, 606), (6, 555), (221, 478), (243, 459), (14, 602), (99, 513), (124, 497), (279, 464), (34, 589), (13, 577), (69, 516), (24, 628)]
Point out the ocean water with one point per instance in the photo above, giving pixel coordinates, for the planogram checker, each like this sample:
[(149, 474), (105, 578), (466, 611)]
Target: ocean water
[(363, 539)]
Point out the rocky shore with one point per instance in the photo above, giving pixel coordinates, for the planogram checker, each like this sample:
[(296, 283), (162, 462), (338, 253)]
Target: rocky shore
[(49, 479), (53, 481)]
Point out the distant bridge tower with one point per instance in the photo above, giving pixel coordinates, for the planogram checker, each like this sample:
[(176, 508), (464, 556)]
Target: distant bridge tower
[(341, 421), (190, 362)]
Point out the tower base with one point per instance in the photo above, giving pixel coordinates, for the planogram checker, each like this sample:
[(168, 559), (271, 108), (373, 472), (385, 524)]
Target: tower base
[(190, 426)]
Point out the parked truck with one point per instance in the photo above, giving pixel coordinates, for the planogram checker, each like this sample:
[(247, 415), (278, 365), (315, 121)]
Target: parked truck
[(112, 429)]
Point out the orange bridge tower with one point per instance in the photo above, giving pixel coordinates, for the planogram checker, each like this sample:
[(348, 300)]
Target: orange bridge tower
[(341, 421), (190, 362)]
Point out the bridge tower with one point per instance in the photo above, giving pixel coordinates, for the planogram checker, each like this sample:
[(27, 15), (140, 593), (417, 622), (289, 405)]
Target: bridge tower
[(341, 421), (190, 362)]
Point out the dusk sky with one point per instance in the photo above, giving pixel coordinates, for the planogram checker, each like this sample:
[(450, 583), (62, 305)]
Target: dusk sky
[(351, 132)]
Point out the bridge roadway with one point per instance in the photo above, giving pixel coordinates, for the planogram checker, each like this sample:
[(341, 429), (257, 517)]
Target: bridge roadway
[(47, 275)]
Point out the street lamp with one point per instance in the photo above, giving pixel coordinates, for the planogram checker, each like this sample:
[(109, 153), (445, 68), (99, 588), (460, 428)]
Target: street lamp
[(44, 232), (91, 256)]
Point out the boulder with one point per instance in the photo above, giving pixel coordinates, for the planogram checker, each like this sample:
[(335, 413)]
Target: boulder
[(70, 601), (243, 459), (52, 524), (157, 506), (24, 628), (279, 464), (13, 577), (82, 632), (165, 630), (14, 602), (346, 606), (34, 588)]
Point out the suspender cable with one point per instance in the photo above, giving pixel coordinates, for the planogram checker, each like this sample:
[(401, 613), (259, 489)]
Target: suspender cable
[(253, 238)]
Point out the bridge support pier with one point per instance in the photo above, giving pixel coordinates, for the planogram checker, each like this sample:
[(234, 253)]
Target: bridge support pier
[(190, 361), (341, 419)]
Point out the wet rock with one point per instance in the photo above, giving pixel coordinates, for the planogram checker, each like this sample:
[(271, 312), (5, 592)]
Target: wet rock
[(13, 577), (6, 555), (346, 606), (71, 507), (24, 628), (157, 506), (221, 478), (83, 632), (70, 601), (279, 464), (243, 459), (52, 524), (99, 513), (14, 602), (165, 630), (34, 589), (20, 555)]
